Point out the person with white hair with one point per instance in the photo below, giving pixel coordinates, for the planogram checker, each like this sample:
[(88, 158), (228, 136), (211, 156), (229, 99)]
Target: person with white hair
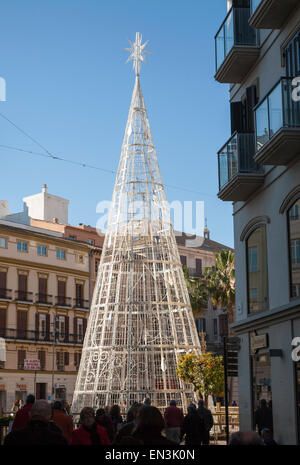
[(38, 431)]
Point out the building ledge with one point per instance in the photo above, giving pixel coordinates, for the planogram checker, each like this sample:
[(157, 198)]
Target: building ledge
[(281, 149), (272, 14), (241, 186), (237, 64), (263, 319)]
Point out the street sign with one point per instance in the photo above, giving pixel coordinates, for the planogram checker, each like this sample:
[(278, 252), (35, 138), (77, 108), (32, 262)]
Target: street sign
[(31, 364)]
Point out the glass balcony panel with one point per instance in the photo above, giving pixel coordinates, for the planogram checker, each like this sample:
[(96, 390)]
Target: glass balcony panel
[(279, 109), (254, 5), (220, 48), (223, 167), (235, 30), (275, 110), (262, 125), (229, 33)]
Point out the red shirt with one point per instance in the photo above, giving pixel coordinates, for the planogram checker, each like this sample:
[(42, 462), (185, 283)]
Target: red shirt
[(81, 437), (22, 417), (173, 417)]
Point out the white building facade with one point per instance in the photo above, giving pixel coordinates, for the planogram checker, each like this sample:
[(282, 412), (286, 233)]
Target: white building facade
[(258, 53)]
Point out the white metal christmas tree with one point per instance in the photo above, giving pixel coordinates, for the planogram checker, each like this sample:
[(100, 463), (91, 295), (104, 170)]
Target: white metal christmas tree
[(140, 319)]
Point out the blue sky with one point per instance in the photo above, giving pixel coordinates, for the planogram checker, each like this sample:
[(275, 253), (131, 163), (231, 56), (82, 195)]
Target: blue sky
[(69, 88)]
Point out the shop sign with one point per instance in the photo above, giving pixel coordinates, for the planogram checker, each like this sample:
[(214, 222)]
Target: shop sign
[(22, 387), (259, 342), (31, 364)]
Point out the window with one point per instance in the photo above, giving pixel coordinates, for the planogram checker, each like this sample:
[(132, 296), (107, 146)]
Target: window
[(183, 260), (3, 243), (60, 254), (71, 236), (79, 295), (257, 271), (252, 259), (42, 250), (42, 326), (22, 246), (42, 358), (292, 56), (96, 265), (3, 290), (294, 213), (201, 325), (80, 259), (61, 327), (294, 247), (77, 357), (60, 361), (91, 241), (21, 358), (215, 327), (80, 329), (198, 266)]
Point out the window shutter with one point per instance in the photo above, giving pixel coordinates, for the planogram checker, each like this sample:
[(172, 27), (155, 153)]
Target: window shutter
[(251, 101), (75, 359), (66, 328), (236, 115), (48, 327), (66, 358), (2, 281), (21, 324), (42, 358), (37, 320), (21, 358), (22, 286), (198, 266), (2, 322), (183, 260), (61, 288), (75, 329), (79, 292), (42, 287), (84, 326), (57, 359)]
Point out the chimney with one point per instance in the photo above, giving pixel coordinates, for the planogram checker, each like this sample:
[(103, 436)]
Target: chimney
[(55, 220), (44, 188)]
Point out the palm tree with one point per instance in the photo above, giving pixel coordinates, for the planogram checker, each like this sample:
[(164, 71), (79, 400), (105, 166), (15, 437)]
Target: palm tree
[(220, 281), (198, 292)]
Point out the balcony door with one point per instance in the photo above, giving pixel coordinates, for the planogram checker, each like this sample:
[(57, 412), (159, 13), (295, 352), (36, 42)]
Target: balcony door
[(61, 290), (21, 324), (3, 285), (22, 287), (79, 295), (43, 290)]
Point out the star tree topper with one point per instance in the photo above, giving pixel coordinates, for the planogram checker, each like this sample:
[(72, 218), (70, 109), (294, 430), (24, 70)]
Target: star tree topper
[(137, 53)]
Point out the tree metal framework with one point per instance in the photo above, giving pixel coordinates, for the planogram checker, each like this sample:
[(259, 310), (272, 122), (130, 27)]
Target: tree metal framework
[(140, 320)]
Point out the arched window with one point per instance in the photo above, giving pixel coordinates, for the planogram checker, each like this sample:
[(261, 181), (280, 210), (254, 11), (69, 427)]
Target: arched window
[(257, 271), (294, 247)]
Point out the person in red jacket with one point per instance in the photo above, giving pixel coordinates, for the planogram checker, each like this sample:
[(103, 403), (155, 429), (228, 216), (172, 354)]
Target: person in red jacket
[(173, 419), (89, 433), (22, 417)]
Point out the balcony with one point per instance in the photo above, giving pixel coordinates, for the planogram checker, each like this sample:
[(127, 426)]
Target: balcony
[(239, 175), (278, 125), (271, 14), (41, 336), (82, 304), (43, 299), (62, 301), (23, 296), (236, 47), (5, 294)]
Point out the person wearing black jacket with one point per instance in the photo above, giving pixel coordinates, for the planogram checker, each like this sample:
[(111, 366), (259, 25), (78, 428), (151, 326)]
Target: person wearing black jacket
[(263, 417), (193, 427), (38, 431)]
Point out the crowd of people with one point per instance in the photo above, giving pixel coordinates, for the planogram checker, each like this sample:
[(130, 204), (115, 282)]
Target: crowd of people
[(40, 423)]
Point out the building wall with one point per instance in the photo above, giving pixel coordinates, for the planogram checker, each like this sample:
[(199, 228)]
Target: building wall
[(73, 271)]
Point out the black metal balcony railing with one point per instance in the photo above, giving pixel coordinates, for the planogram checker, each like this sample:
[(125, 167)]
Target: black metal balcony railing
[(235, 157), (28, 335), (234, 31), (44, 298), (81, 303), (24, 296), (279, 109), (62, 301), (194, 273), (5, 294)]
